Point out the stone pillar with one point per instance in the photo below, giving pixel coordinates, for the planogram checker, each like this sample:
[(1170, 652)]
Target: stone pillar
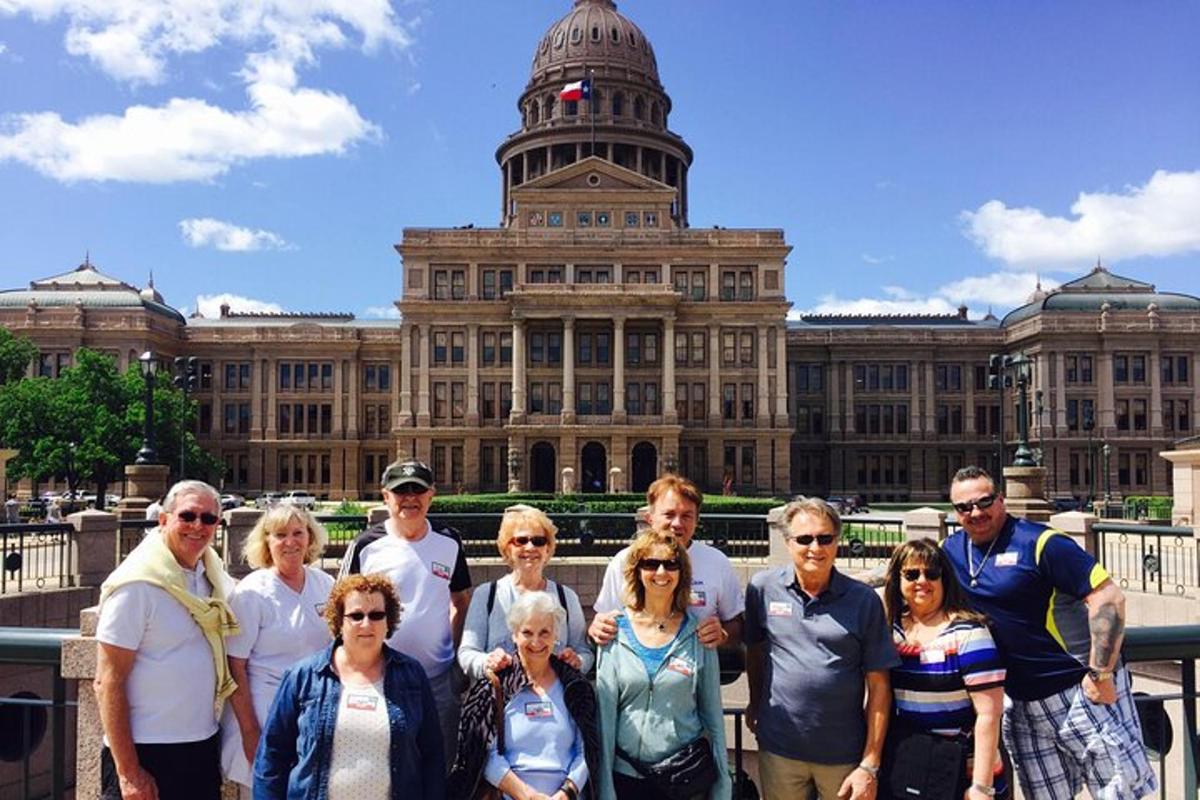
[(144, 483), (1060, 393), (399, 419), (714, 376), (914, 402), (930, 417), (238, 524), (668, 355), (79, 664), (423, 417), (618, 412), (969, 401), (352, 416), (778, 554), (568, 480), (924, 523), (338, 398), (406, 414), (518, 372), (1078, 525), (97, 537), (1025, 493), (781, 378), (714, 281), (472, 420), (849, 404), (835, 407), (272, 379), (1105, 415), (1185, 467), (568, 388), (762, 400), (1156, 403), (257, 420), (616, 481)]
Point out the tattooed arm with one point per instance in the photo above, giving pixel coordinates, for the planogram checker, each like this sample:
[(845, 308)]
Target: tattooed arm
[(1106, 621)]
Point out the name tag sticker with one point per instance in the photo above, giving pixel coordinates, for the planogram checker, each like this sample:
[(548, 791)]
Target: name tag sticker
[(778, 608), (362, 702), (680, 666), (539, 710), (698, 598), (933, 656), (1008, 559), (440, 570)]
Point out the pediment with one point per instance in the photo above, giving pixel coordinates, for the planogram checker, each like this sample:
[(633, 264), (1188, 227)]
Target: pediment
[(594, 173)]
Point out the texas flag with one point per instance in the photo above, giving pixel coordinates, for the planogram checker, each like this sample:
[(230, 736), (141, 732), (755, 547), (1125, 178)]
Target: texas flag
[(579, 90)]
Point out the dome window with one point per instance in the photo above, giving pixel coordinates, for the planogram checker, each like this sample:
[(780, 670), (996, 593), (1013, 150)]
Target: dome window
[(550, 108), (618, 104), (595, 33), (656, 115), (616, 34), (639, 108), (593, 180), (559, 38), (632, 39), (576, 35)]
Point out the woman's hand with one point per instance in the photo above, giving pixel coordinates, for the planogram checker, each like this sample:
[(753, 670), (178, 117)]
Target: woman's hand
[(974, 793), (568, 656), (250, 746), (497, 660)]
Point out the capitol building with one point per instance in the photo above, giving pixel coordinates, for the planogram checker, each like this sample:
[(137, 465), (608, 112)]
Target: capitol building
[(593, 329)]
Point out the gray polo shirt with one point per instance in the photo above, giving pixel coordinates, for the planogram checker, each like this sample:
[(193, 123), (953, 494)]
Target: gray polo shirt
[(818, 651)]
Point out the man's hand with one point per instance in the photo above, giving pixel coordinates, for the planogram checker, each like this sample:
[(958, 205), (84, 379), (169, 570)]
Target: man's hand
[(1102, 693), (568, 656), (751, 718), (138, 785), (711, 632), (250, 746), (603, 627), (859, 785), (497, 660)]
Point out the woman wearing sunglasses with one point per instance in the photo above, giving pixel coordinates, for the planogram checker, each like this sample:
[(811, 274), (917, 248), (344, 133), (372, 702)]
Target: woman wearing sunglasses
[(356, 721), (526, 543), (278, 607), (658, 688), (944, 736)]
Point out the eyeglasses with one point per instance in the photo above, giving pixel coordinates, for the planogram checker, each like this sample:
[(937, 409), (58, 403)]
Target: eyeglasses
[(204, 517), (359, 616), (536, 541), (653, 564), (823, 539), (410, 488), (981, 503), (931, 573)]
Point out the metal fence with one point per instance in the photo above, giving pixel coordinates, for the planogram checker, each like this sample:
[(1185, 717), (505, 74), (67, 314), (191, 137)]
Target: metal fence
[(131, 531), (37, 556), (29, 719), (869, 541), (1161, 559)]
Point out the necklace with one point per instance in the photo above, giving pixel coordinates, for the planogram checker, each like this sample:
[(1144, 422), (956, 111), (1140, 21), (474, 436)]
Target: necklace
[(971, 570), (658, 622)]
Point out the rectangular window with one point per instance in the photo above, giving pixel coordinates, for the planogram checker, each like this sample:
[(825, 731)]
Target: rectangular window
[(298, 418), (441, 400), (728, 285), (458, 285), (285, 377), (506, 281), (489, 349), (902, 418), (1072, 414), (1139, 414), (698, 348), (327, 377), (537, 348), (458, 350), (699, 401), (633, 399), (746, 285), (441, 284), (681, 349), (554, 398), (298, 371), (729, 400), (506, 345), (312, 418), (583, 398), (747, 401), (603, 399), (650, 347), (1122, 408), (537, 398), (1137, 366), (458, 405), (633, 349), (681, 401), (902, 377), (584, 349), (1183, 418), (489, 400), (650, 398), (1085, 369), (285, 418), (505, 400), (602, 348), (489, 284), (441, 343), (554, 348), (1120, 369), (230, 418), (231, 377), (1071, 368), (746, 352), (699, 290)]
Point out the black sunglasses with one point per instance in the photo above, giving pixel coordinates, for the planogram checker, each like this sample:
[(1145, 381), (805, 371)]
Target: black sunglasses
[(982, 503), (932, 573), (652, 564), (204, 517), (359, 616), (410, 488), (536, 541), (823, 539)]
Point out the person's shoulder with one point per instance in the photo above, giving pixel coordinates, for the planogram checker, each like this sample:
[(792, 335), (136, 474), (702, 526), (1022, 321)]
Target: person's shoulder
[(320, 577), (405, 665), (446, 530), (712, 556), (767, 577), (371, 534)]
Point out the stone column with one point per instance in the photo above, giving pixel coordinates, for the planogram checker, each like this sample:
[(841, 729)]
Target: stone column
[(405, 378), (352, 416), (1105, 413), (714, 281), (930, 417), (1077, 525), (668, 355), (762, 400), (849, 404), (1060, 394), (781, 377), (238, 524), (97, 537), (835, 407), (398, 418), (1156, 403), (338, 399), (272, 400), (714, 376), (472, 343), (914, 403), (423, 417), (1025, 493), (518, 372), (257, 420), (568, 388), (1185, 466), (969, 400), (924, 523), (1041, 373), (618, 414)]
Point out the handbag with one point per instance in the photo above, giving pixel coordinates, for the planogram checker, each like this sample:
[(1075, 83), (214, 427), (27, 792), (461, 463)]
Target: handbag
[(924, 766), (682, 775)]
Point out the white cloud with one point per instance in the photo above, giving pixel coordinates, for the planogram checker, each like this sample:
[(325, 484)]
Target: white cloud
[(209, 232), (210, 304), (875, 260), (1155, 219), (186, 139), (1000, 291), (3, 48), (381, 312)]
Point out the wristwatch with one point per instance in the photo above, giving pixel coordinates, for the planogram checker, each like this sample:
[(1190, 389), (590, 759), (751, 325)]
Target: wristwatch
[(990, 791), (1099, 675)]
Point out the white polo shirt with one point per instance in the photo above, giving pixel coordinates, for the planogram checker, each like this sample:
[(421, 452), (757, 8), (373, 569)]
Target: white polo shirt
[(715, 587), (171, 687)]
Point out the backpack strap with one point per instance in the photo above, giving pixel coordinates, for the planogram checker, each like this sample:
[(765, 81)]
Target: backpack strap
[(491, 597), (562, 601)]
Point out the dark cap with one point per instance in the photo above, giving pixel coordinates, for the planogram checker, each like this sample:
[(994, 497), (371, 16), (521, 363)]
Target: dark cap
[(402, 472)]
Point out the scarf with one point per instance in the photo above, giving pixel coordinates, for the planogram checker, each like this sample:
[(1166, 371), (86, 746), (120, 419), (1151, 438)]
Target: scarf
[(153, 562)]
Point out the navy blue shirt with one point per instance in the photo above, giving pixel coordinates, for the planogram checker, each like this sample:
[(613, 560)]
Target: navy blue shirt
[(1031, 587)]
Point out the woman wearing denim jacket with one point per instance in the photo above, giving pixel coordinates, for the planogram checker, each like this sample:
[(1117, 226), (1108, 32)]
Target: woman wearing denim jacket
[(356, 721), (658, 689)]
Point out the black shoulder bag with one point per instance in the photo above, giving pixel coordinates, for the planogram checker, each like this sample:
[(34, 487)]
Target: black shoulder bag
[(682, 775)]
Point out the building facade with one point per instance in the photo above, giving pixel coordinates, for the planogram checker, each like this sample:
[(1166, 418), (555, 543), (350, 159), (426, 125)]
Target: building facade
[(593, 339)]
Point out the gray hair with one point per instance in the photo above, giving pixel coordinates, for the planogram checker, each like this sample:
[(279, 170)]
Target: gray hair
[(533, 603), (813, 507), (184, 488)]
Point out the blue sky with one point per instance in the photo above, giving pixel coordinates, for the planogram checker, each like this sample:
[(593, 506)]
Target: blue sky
[(918, 154)]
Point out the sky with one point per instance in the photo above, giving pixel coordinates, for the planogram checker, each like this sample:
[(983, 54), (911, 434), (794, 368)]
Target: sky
[(918, 155)]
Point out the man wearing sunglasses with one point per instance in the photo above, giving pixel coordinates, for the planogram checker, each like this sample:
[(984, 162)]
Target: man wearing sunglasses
[(1059, 620), (816, 643), (161, 667), (428, 568)]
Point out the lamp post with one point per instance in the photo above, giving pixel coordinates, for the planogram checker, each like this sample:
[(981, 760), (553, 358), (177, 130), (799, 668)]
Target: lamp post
[(1089, 425), (1016, 371), (187, 377), (1106, 451), (149, 366)]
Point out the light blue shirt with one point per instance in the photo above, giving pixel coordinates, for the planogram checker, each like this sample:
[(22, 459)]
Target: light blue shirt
[(539, 738)]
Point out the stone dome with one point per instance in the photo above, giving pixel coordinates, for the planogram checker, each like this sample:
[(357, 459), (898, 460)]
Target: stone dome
[(595, 35)]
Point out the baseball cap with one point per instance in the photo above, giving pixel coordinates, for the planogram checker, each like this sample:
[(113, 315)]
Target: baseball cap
[(402, 472)]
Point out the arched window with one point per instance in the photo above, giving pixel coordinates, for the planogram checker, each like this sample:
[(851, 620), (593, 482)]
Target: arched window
[(656, 114), (570, 108), (616, 34), (535, 112), (549, 108), (576, 35), (639, 108), (618, 104), (595, 33)]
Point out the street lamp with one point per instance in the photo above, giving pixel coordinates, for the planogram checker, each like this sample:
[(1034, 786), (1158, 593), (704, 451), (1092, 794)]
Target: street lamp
[(187, 379), (1089, 425), (1106, 450), (149, 366), (1009, 371)]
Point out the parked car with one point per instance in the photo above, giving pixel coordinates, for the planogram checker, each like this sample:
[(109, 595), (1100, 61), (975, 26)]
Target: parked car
[(848, 504), (1067, 504), (229, 501), (268, 499), (301, 498)]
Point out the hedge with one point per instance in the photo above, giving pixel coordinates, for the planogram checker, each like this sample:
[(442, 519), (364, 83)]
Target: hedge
[(588, 503), (1148, 507)]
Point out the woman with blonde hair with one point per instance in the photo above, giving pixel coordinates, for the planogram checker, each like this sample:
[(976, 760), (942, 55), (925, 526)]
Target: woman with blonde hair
[(279, 607), (658, 688), (526, 543)]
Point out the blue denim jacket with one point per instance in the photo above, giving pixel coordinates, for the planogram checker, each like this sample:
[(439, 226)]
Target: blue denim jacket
[(296, 746)]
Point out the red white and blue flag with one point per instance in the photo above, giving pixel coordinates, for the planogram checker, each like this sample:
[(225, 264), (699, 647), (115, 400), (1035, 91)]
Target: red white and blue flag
[(579, 90)]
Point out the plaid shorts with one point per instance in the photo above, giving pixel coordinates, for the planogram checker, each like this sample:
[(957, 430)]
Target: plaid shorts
[(1063, 741)]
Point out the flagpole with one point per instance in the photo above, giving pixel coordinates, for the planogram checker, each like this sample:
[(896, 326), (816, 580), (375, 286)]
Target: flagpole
[(592, 106)]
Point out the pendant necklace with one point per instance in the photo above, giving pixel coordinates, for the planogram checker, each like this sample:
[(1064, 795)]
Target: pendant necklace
[(971, 570)]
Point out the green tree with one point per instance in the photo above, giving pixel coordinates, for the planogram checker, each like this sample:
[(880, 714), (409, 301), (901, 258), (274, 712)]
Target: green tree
[(16, 353)]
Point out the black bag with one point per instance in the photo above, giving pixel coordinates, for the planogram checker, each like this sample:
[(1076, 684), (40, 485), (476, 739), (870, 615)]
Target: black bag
[(924, 766), (682, 775)]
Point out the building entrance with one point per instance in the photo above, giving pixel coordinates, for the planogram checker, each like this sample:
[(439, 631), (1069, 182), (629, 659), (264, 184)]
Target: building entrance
[(541, 467), (595, 468), (645, 467)]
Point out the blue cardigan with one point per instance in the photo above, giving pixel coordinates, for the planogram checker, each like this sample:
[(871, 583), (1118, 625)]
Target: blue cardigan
[(296, 746)]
